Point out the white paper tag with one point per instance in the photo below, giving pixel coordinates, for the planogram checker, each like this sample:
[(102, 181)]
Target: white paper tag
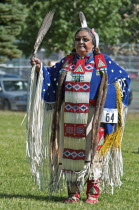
[(109, 115)]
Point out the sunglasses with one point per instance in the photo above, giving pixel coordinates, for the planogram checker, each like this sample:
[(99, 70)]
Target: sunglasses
[(78, 39)]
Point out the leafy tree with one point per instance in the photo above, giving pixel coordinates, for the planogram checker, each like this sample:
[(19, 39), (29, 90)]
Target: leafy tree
[(106, 16), (130, 16), (11, 18), (36, 12), (102, 16)]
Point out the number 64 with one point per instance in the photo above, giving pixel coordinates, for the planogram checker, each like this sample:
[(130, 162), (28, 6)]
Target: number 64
[(109, 117)]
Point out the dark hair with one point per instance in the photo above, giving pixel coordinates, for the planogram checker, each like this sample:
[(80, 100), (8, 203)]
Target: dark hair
[(96, 50)]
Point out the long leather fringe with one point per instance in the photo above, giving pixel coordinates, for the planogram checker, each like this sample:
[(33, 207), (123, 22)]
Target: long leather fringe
[(54, 141), (98, 112)]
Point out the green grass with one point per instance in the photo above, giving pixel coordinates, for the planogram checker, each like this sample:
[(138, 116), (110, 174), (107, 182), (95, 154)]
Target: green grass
[(17, 188)]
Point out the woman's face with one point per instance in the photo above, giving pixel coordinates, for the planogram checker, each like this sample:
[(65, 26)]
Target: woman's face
[(83, 43)]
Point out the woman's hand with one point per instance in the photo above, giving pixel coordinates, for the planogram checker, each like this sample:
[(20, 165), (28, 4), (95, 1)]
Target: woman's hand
[(37, 62)]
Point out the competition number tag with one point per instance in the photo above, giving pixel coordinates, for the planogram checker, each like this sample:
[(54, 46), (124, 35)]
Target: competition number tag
[(109, 116)]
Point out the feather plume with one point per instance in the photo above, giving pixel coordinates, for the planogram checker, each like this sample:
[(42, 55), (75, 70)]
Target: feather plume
[(43, 30), (82, 20), (97, 40), (96, 37)]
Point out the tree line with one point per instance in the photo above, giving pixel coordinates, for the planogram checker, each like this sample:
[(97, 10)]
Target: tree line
[(116, 21)]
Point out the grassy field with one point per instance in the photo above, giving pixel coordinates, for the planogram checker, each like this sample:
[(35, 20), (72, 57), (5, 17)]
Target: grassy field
[(17, 188)]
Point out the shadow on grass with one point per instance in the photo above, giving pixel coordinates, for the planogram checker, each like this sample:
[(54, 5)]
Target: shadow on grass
[(34, 197)]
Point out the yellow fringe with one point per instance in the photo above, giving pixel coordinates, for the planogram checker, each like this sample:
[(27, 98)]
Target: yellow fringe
[(114, 139)]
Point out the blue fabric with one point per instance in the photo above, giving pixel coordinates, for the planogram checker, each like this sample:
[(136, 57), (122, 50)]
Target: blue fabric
[(50, 82), (115, 72)]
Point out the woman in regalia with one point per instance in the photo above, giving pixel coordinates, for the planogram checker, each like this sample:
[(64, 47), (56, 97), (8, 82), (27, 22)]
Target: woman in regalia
[(76, 119)]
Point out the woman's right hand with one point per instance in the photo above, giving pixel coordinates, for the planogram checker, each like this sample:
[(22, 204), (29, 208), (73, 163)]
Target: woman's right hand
[(37, 62)]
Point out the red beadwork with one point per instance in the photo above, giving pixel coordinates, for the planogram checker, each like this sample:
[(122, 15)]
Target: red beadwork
[(77, 86), (76, 107), (74, 154), (75, 130)]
